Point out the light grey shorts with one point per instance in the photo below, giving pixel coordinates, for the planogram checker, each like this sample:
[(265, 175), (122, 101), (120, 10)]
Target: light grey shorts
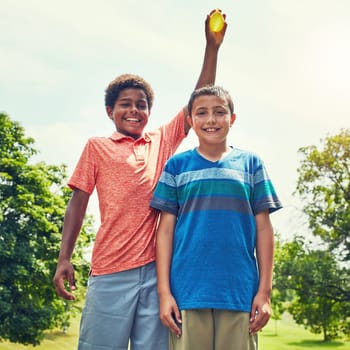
[(120, 307)]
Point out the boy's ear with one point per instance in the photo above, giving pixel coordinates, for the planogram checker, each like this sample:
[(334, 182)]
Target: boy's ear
[(109, 111), (189, 120), (232, 119)]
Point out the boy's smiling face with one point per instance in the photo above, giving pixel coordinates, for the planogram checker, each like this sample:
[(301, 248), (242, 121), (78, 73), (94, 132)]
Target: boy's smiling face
[(130, 112), (211, 119)]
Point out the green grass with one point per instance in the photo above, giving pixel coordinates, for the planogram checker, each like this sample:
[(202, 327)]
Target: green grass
[(281, 335), (286, 335), (55, 340)]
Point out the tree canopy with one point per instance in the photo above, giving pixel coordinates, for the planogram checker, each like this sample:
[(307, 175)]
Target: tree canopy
[(312, 284), (33, 199), (315, 283), (324, 186)]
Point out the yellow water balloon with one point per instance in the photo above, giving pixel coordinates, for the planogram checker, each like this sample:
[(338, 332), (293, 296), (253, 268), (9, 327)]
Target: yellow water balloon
[(216, 21)]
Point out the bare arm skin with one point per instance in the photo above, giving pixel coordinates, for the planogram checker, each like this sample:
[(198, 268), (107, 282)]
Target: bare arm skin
[(261, 307), (73, 220), (208, 73), (169, 311)]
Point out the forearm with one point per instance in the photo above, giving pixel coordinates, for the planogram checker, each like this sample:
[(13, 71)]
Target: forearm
[(208, 73), (73, 221), (213, 42), (164, 249), (261, 307), (163, 265), (265, 251)]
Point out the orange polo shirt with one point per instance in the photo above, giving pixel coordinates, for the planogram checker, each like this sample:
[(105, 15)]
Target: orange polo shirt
[(125, 172)]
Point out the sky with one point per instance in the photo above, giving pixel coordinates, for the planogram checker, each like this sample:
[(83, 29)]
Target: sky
[(284, 62)]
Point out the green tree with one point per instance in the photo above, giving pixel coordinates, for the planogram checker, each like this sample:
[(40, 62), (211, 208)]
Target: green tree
[(32, 204), (311, 280), (324, 187)]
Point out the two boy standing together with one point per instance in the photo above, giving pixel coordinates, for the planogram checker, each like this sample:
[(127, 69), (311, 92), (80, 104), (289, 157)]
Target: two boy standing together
[(122, 302)]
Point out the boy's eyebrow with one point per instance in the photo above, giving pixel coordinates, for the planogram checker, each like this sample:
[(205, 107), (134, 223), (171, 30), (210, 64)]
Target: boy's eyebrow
[(201, 107), (143, 99), (216, 106)]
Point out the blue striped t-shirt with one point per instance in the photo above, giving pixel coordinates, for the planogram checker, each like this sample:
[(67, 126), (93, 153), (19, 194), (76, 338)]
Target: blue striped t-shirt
[(213, 263)]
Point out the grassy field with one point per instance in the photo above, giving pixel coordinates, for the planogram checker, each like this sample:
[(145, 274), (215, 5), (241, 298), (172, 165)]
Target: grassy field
[(286, 335), (281, 335)]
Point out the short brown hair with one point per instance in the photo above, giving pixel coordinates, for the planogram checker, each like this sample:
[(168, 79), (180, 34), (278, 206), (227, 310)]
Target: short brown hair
[(211, 91), (127, 81)]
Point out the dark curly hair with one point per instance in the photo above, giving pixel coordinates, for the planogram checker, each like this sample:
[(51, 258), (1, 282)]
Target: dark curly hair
[(127, 81), (210, 90)]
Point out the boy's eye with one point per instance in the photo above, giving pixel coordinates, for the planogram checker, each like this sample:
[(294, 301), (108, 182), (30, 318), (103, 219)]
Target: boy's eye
[(220, 112), (142, 106)]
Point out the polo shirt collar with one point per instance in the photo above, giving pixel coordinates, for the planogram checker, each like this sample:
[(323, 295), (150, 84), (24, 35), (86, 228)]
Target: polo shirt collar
[(116, 136)]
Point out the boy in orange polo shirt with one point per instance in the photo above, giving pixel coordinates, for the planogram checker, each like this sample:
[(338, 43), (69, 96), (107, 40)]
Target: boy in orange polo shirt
[(122, 302)]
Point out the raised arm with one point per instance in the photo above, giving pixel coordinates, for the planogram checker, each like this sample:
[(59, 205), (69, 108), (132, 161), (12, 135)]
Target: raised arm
[(208, 72), (213, 43), (73, 220)]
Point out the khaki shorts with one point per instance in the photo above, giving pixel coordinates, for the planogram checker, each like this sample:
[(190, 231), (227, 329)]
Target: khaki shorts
[(213, 329)]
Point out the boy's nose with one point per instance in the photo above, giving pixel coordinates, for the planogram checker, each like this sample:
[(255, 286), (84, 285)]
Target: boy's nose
[(211, 118), (134, 109)]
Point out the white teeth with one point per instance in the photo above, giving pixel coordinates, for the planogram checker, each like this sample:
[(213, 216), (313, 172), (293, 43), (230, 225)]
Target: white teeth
[(210, 130), (132, 119)]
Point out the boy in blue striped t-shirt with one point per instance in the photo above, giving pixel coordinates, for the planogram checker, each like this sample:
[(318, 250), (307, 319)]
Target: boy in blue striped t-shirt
[(215, 239)]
